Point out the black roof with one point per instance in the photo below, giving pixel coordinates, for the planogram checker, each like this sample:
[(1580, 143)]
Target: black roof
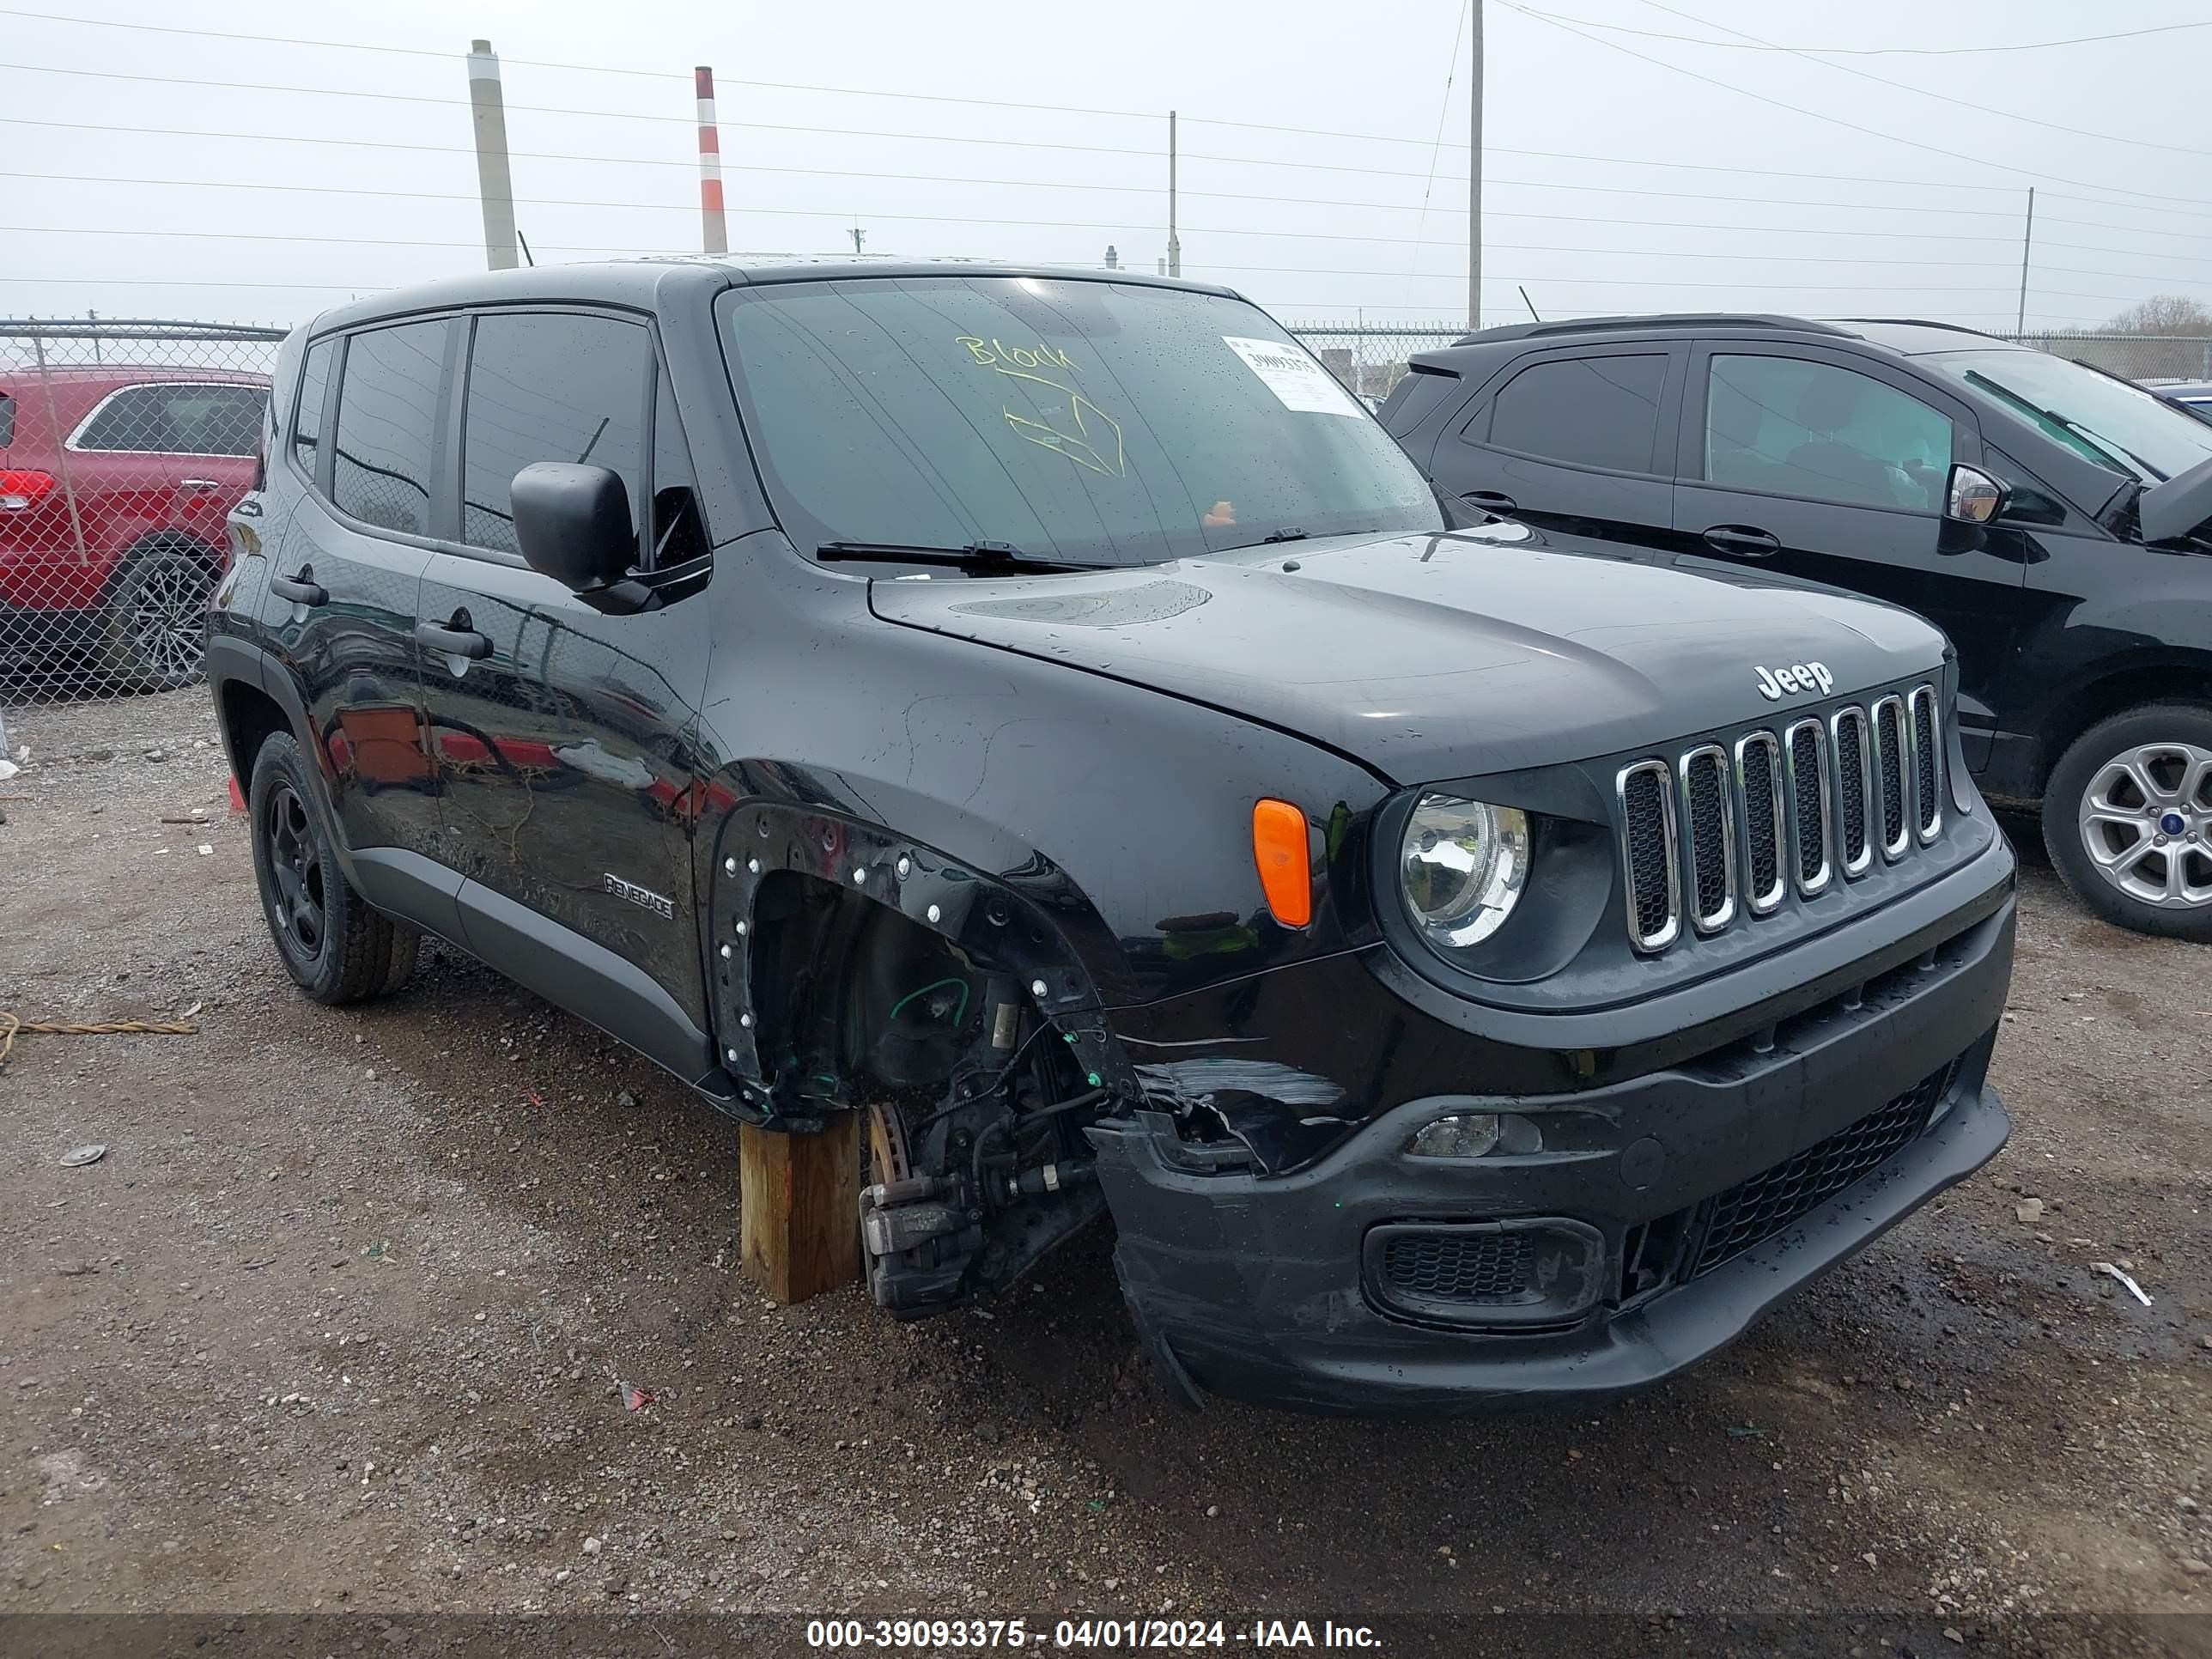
[(658, 278)]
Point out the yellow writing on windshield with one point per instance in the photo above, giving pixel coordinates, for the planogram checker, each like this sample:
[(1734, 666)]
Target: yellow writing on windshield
[(1088, 445), (991, 354)]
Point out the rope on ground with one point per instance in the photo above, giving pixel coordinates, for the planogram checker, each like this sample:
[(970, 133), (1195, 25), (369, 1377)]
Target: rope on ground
[(10, 1025)]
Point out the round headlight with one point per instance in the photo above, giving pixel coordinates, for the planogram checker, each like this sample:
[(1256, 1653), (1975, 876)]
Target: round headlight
[(1461, 867)]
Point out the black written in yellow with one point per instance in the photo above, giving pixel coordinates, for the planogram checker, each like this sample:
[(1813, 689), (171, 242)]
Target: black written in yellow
[(991, 354)]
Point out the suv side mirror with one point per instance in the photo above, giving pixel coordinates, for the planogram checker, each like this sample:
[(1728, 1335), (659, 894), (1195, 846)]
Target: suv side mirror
[(1972, 497), (573, 524)]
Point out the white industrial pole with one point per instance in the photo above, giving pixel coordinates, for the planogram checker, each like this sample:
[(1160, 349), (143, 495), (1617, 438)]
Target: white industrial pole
[(1474, 167), (494, 183), (2026, 241), (714, 231), (1174, 242)]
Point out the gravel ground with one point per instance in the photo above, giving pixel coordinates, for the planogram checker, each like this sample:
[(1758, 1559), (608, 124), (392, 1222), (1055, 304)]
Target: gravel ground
[(344, 1319)]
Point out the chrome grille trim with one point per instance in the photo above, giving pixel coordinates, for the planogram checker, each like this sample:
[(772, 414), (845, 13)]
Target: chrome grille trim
[(1669, 930), (1855, 807), (1895, 781), (1809, 843), (1760, 899), (1927, 726), (1711, 761)]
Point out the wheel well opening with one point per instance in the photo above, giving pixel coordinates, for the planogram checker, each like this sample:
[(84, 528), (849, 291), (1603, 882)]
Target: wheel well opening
[(2112, 695), (851, 998), (250, 716)]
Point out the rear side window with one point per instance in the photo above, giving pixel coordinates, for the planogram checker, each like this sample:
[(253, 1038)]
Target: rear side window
[(7, 420), (549, 386), (1585, 411), (1791, 427), (388, 425), (307, 424)]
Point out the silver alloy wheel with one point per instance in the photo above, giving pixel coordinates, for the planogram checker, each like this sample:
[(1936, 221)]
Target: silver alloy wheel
[(2146, 822), (166, 625)]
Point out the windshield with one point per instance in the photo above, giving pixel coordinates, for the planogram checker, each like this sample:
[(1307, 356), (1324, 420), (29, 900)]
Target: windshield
[(2118, 426), (1090, 421)]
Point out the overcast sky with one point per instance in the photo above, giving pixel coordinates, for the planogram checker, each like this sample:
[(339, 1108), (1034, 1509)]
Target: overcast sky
[(1062, 150)]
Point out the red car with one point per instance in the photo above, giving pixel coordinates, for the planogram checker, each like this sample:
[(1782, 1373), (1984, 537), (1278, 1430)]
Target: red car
[(114, 483)]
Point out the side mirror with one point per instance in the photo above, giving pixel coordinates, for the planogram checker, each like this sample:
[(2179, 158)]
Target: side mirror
[(573, 524), (1972, 497)]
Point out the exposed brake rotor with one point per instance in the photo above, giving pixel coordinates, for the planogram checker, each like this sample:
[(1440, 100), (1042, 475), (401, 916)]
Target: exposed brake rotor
[(888, 1157)]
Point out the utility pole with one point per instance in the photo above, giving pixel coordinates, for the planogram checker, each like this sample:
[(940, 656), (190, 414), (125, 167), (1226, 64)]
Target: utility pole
[(1174, 242), (714, 228), (2026, 241), (494, 183), (1474, 167), (857, 234)]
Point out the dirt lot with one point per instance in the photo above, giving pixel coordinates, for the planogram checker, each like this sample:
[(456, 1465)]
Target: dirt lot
[(341, 1321)]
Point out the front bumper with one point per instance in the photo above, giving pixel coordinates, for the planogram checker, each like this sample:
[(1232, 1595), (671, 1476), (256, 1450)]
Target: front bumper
[(1277, 1288)]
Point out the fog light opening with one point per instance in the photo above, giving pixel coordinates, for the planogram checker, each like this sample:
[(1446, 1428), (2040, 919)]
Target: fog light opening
[(1476, 1135)]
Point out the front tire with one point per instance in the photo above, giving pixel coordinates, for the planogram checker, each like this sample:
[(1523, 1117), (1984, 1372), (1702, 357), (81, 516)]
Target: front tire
[(2127, 815), (154, 631), (336, 949)]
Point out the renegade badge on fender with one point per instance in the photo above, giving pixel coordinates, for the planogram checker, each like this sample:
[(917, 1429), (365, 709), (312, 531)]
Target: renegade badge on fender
[(1043, 714)]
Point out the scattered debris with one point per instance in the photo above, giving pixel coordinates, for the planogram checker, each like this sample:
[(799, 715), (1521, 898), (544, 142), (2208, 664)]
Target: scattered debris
[(78, 1157), (2028, 1209), (625, 1098), (2134, 1288), (634, 1398), (1745, 1432)]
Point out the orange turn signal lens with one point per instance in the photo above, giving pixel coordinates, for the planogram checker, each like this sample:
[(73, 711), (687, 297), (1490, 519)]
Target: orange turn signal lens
[(1280, 849)]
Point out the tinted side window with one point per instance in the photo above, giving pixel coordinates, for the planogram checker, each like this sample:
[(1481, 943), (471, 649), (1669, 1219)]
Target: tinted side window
[(216, 420), (308, 423), (135, 420), (7, 420), (549, 387), (1587, 411), (1795, 428), (388, 425)]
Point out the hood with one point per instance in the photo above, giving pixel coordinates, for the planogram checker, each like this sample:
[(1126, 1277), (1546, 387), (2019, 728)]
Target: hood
[(1428, 657)]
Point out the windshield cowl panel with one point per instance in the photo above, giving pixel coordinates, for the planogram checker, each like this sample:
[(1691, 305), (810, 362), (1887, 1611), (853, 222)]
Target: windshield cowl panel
[(1080, 422)]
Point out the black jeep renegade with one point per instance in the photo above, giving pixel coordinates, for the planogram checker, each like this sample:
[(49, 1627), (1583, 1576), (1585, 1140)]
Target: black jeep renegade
[(1043, 712)]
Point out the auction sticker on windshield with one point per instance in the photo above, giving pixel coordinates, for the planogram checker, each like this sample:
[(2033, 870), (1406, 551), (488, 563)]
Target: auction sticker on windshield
[(1297, 381)]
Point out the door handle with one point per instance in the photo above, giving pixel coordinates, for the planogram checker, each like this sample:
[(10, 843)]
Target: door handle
[(456, 639), (1742, 541), (201, 483), (1495, 501), (302, 589)]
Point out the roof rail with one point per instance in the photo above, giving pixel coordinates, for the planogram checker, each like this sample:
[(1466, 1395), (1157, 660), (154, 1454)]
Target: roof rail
[(1659, 320), (1922, 322)]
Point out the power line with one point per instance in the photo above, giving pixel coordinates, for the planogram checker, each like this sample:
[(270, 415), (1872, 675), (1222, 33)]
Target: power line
[(1923, 92), (229, 235), (661, 207), (1835, 120), (998, 104), (1055, 184), (1878, 51)]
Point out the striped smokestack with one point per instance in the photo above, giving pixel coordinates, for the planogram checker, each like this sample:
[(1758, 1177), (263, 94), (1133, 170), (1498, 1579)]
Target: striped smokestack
[(714, 234)]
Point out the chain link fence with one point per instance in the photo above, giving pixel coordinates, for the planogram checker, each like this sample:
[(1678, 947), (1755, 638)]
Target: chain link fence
[(124, 445), (1371, 359)]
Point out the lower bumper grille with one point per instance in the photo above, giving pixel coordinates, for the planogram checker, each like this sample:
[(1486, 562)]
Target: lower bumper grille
[(1754, 1211), (1479, 1269)]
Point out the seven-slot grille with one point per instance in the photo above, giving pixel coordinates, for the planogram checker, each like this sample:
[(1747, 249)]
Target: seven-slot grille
[(1714, 833)]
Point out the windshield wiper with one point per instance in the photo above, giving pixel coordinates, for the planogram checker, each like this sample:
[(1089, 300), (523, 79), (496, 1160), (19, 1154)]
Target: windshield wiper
[(2104, 446), (986, 558)]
